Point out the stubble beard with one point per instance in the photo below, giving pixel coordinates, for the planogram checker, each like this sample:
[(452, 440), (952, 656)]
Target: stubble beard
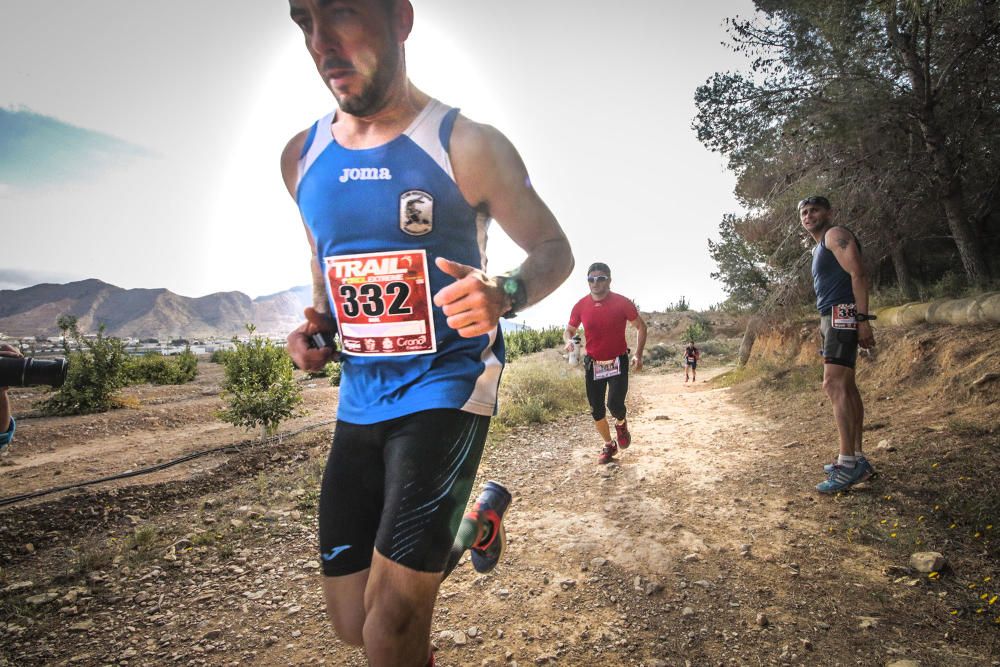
[(374, 96)]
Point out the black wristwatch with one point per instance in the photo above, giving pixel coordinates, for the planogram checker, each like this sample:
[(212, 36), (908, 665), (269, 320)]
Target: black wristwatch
[(514, 288), (863, 317)]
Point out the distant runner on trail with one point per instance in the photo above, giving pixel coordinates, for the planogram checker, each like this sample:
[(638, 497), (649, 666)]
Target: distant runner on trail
[(691, 356), (842, 299), (604, 315), (396, 191)]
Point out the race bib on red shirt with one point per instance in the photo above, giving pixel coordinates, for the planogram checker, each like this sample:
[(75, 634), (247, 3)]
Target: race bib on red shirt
[(842, 316), (383, 302)]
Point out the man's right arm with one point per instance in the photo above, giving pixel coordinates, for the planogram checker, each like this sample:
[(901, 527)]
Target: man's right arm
[(318, 316)]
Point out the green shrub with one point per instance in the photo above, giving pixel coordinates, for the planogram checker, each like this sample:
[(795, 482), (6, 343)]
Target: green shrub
[(528, 341), (219, 356), (259, 386), (659, 355), (97, 369), (154, 368), (537, 392), (697, 332), (720, 348), (332, 371)]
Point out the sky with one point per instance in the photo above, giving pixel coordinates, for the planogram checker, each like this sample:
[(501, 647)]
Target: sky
[(139, 142)]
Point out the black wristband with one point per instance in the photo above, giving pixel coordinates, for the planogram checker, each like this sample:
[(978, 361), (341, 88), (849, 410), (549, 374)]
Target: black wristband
[(864, 317), (516, 291)]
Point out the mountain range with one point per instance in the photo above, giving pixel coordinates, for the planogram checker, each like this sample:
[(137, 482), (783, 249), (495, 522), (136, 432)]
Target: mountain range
[(147, 313)]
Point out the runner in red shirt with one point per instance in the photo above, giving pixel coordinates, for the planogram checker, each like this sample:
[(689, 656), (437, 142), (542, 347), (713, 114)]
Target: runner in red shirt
[(604, 315)]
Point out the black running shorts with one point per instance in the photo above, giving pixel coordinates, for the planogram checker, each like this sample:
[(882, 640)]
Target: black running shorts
[(840, 346), (399, 486), (615, 388)]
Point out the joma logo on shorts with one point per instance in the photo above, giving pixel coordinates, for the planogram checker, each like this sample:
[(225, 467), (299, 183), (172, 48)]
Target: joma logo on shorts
[(366, 174)]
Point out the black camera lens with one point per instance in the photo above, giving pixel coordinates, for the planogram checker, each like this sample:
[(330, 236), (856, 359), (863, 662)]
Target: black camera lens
[(27, 371)]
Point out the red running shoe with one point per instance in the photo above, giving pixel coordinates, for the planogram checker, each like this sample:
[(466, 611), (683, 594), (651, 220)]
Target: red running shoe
[(607, 453), (624, 437)]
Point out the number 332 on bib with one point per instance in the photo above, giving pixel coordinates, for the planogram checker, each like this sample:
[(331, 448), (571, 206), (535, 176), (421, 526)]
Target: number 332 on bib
[(383, 302)]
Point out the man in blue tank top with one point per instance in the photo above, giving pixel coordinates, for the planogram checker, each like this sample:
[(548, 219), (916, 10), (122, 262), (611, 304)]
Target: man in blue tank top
[(396, 191), (841, 286)]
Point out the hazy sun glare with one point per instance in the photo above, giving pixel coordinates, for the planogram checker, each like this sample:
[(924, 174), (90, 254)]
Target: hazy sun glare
[(255, 229)]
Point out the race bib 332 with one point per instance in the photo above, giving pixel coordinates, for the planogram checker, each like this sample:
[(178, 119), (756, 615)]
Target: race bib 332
[(383, 302)]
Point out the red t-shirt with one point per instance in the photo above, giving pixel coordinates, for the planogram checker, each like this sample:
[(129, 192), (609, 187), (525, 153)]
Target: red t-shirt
[(604, 323)]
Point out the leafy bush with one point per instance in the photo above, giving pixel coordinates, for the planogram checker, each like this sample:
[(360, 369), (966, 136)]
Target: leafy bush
[(697, 332), (259, 386), (155, 368), (681, 306), (537, 392), (219, 356), (528, 341), (97, 369), (332, 370), (720, 348), (659, 355)]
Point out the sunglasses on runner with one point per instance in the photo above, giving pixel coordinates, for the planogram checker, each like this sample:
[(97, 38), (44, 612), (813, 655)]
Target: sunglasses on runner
[(815, 201), (596, 279)]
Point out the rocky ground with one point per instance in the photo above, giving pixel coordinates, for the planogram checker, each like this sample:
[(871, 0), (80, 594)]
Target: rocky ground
[(704, 544)]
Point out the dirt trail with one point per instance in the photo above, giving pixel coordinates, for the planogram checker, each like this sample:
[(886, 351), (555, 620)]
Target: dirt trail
[(703, 544)]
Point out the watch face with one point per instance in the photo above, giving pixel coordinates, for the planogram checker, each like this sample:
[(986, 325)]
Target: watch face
[(510, 286)]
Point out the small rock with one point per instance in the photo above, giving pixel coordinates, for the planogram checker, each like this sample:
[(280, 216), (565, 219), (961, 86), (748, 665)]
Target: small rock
[(567, 584), (598, 562), (661, 418), (762, 620), (794, 443), (885, 446), (928, 561), (692, 558), (806, 644), (212, 634), (460, 638), (687, 611), (236, 523), (903, 663), (473, 631), (704, 584), (82, 626), (868, 622), (41, 598), (19, 586)]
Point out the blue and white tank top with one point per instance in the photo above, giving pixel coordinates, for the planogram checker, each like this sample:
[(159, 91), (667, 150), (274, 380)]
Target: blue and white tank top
[(379, 217)]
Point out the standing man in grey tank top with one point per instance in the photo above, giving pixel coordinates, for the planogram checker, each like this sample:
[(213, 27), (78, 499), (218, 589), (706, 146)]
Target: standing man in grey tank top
[(841, 286)]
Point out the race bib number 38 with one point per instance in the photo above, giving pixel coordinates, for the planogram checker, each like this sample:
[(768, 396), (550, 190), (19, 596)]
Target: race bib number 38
[(383, 302), (842, 316)]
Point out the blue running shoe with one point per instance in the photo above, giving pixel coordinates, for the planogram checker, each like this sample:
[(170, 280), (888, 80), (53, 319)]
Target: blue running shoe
[(828, 468), (841, 477), (488, 510)]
